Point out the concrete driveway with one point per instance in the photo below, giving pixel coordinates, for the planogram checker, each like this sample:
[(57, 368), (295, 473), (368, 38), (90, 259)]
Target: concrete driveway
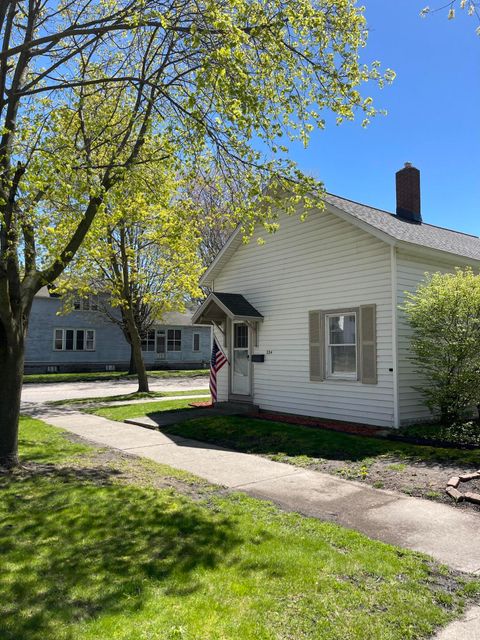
[(38, 393)]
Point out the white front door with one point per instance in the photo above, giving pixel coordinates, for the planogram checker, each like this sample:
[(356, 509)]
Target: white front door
[(240, 359)]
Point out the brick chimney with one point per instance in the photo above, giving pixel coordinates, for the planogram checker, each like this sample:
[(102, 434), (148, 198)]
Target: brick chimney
[(408, 194)]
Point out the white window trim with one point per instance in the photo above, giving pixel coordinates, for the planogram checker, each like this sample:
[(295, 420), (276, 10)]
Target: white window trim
[(328, 368), (62, 348), (64, 339), (196, 333), (94, 339), (174, 340), (147, 341)]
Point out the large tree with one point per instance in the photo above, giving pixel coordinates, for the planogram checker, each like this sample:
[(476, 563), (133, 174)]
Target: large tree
[(144, 258), (83, 84)]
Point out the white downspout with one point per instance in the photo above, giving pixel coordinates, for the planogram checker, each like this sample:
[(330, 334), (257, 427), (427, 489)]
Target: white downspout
[(393, 284)]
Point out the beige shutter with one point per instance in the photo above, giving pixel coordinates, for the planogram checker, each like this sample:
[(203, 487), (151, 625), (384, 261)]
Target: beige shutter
[(368, 344), (316, 345)]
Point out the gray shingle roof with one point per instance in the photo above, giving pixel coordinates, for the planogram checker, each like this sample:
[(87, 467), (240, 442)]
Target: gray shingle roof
[(425, 235), (237, 304)]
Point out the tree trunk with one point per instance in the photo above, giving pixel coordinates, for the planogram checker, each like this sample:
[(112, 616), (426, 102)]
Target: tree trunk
[(11, 379), (136, 352), (132, 369)]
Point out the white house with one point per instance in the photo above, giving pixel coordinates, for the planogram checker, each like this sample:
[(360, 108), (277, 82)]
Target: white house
[(310, 321)]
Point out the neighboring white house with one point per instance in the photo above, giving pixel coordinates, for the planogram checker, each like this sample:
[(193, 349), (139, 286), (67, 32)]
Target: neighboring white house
[(310, 321)]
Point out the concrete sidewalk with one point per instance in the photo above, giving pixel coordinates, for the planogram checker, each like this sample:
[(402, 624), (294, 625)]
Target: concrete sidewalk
[(467, 628), (448, 534)]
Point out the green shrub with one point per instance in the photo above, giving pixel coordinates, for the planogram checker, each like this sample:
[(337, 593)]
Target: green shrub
[(444, 314)]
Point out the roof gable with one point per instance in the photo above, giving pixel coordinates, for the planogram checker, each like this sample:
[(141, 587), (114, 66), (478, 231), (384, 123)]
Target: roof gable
[(423, 235), (383, 225)]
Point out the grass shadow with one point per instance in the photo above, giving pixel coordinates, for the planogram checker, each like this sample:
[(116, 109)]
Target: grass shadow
[(74, 544), (266, 437)]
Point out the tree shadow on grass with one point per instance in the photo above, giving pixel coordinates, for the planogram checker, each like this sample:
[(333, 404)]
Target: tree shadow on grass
[(264, 437), (73, 545)]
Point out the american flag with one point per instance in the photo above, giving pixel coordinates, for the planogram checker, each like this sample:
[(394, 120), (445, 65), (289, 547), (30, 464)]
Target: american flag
[(217, 361)]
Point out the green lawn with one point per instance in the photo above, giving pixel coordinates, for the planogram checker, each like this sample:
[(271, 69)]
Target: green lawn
[(95, 544), (124, 412), (306, 445), (109, 375), (128, 396)]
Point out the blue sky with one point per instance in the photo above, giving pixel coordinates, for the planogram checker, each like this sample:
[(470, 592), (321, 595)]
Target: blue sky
[(433, 118)]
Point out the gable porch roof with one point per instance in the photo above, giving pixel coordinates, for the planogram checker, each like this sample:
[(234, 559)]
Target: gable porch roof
[(218, 305)]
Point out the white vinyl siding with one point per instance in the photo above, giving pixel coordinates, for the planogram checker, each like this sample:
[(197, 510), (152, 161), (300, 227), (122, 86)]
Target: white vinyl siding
[(411, 271), (322, 263)]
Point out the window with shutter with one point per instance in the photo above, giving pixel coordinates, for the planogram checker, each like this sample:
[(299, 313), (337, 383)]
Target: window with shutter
[(343, 344)]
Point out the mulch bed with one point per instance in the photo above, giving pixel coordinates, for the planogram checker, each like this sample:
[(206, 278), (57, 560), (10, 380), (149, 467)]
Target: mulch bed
[(422, 479), (344, 427), (431, 442)]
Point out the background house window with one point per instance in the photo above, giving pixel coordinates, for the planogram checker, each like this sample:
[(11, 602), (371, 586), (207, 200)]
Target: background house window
[(148, 341), (74, 340), (90, 303), (80, 340), (196, 342), (69, 339), (341, 343), (58, 339), (174, 340), (90, 340)]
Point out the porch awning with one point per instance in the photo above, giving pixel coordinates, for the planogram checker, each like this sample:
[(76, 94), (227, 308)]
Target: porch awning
[(218, 306)]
